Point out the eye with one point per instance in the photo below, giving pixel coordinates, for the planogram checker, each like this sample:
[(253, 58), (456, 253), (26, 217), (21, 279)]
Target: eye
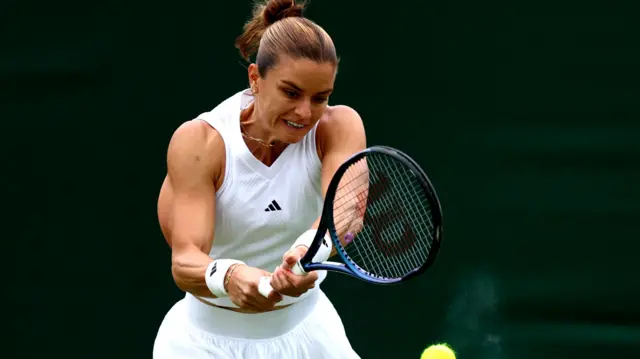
[(290, 93), (320, 99)]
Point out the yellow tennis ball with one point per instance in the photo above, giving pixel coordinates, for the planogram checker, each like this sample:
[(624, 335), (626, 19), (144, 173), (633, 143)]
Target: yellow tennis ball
[(438, 351)]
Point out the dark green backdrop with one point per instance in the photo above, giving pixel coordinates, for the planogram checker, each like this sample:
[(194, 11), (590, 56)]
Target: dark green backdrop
[(524, 115)]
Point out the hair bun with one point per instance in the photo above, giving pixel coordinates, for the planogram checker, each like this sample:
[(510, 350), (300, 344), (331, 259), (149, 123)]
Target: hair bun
[(279, 9)]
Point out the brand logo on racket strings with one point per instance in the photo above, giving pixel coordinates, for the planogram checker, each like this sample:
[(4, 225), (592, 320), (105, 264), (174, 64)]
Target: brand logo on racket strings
[(382, 220)]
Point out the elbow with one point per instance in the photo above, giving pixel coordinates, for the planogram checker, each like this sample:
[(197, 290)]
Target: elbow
[(187, 270), (185, 273), (178, 274)]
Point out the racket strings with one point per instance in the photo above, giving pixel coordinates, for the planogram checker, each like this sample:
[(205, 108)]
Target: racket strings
[(385, 266), (383, 217), (417, 254)]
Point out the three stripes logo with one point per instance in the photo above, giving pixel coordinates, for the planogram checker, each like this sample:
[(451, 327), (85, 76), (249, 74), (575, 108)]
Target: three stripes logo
[(213, 269), (273, 206)]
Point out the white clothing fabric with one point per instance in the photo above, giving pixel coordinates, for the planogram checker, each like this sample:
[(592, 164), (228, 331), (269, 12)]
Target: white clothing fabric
[(308, 329)]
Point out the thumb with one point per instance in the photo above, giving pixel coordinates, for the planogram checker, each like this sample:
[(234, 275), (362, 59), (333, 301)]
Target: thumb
[(289, 261), (275, 296), (291, 258)]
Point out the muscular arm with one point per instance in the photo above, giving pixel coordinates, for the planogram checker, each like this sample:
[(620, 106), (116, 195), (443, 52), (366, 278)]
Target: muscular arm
[(193, 163), (339, 137)]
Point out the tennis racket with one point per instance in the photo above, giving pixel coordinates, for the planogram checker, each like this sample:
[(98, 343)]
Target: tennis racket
[(383, 216)]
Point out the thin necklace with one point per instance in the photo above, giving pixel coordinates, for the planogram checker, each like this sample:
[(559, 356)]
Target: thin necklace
[(262, 142)]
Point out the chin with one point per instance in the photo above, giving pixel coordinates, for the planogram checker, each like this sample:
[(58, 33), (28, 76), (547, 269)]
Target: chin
[(291, 139), (289, 134)]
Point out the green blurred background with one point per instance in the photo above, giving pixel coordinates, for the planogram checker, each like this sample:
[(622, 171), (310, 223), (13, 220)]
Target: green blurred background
[(524, 114)]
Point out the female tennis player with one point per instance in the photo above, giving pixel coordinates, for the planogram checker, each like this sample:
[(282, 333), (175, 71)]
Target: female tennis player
[(243, 196)]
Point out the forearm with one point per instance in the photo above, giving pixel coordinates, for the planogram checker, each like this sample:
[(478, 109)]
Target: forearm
[(188, 269)]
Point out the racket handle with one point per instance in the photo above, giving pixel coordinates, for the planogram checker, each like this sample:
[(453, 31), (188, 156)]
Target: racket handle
[(298, 270), (264, 286)]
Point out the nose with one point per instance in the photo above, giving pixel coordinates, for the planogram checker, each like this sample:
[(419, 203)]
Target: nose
[(303, 110)]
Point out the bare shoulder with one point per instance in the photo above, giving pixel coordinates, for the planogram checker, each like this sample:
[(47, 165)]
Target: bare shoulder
[(341, 116), (195, 148), (341, 126)]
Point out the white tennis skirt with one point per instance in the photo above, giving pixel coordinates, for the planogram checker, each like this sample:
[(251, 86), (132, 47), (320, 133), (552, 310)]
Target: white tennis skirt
[(309, 329)]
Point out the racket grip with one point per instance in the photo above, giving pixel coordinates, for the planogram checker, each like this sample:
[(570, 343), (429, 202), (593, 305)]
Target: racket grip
[(264, 286), (298, 270)]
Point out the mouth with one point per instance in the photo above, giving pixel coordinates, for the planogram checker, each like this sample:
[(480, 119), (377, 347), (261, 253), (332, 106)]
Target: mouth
[(292, 124)]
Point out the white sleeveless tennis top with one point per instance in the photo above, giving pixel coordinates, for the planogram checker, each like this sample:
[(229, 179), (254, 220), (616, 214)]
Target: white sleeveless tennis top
[(260, 209)]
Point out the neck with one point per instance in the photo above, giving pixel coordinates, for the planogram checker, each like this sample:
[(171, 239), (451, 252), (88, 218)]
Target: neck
[(255, 132)]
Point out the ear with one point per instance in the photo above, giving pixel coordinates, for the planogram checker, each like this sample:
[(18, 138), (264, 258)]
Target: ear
[(254, 75)]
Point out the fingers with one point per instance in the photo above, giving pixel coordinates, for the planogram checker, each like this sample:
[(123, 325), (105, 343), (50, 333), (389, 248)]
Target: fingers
[(287, 283), (280, 283), (275, 296), (348, 238), (256, 301), (292, 256), (245, 302), (265, 303), (243, 290), (289, 259), (296, 280)]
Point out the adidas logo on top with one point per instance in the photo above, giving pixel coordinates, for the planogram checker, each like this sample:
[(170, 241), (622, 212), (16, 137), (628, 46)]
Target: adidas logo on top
[(273, 206)]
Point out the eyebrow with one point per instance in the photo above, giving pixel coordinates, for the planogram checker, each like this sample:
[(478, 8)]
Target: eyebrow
[(296, 87)]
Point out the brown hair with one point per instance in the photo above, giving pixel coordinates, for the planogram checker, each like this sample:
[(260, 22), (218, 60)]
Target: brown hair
[(278, 27)]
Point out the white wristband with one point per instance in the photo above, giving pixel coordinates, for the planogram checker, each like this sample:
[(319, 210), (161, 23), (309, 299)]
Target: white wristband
[(324, 251), (216, 274)]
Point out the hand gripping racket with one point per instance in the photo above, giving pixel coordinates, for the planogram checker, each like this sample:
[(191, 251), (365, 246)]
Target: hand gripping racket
[(383, 216)]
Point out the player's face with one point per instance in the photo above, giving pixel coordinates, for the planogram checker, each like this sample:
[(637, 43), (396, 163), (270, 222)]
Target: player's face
[(293, 95)]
